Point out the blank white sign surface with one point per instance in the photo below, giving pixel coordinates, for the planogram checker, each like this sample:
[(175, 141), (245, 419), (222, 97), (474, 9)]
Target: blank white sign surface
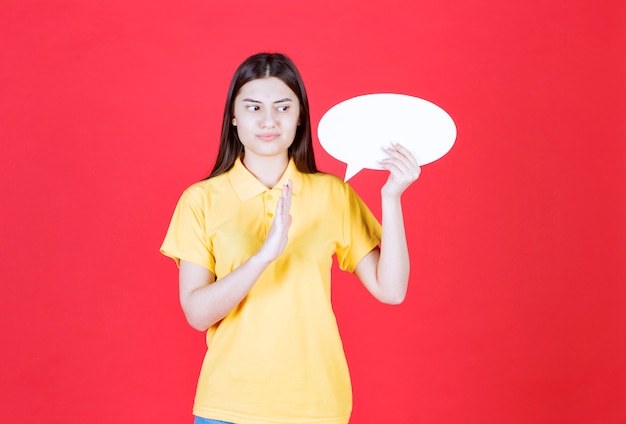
[(355, 131)]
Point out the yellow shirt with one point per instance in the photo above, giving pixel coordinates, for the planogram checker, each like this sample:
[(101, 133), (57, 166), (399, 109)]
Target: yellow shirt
[(277, 357)]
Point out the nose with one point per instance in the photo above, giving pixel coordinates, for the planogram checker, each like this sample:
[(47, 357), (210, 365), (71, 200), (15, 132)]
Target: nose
[(268, 121)]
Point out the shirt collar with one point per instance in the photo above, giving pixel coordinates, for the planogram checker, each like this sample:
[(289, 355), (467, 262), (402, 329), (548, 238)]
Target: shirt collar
[(247, 186)]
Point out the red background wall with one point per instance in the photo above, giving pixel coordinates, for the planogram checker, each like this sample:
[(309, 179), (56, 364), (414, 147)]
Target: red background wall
[(516, 311)]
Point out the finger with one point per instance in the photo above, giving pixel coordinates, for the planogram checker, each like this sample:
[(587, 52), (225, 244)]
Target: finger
[(278, 216), (395, 172), (406, 153), (287, 195), (402, 165), (400, 171), (398, 151), (282, 207), (396, 155)]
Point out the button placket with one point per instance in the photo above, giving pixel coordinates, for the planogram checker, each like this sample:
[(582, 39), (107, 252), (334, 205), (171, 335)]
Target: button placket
[(269, 200)]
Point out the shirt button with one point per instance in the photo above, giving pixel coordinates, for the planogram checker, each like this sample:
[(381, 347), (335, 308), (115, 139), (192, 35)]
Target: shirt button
[(270, 214), (269, 196)]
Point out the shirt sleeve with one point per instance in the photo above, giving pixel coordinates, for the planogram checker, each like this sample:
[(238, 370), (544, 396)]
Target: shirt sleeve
[(186, 236), (361, 231)]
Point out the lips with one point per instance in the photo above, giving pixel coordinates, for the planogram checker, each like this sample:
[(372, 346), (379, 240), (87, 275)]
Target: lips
[(268, 136)]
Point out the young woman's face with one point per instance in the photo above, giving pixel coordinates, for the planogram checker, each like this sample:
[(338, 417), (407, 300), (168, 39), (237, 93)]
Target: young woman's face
[(267, 114)]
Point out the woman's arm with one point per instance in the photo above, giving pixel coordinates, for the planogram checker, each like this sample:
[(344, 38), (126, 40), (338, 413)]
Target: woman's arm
[(385, 270), (206, 301)]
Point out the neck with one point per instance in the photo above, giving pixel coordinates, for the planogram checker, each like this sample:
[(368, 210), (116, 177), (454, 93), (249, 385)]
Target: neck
[(267, 170)]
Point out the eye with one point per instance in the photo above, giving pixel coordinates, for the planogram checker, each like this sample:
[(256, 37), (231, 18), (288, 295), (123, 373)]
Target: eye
[(252, 108), (283, 108)]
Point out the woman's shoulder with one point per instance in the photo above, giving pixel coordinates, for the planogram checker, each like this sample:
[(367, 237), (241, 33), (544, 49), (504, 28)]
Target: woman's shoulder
[(204, 188), (325, 178), (328, 183), (322, 178)]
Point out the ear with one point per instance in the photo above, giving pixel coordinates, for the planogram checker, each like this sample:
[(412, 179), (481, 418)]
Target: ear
[(234, 122)]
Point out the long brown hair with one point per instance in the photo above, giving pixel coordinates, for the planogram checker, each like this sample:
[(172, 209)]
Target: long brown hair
[(265, 65)]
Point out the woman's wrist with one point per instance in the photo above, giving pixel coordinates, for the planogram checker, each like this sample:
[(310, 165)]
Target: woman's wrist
[(260, 260), (391, 198)]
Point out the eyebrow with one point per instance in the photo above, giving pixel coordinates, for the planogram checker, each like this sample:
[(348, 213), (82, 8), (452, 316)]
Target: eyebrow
[(286, 99)]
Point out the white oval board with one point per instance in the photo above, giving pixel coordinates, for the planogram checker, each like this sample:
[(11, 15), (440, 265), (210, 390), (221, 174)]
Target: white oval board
[(354, 131)]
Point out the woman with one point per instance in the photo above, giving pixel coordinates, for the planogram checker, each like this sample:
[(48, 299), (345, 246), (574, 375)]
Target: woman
[(254, 243)]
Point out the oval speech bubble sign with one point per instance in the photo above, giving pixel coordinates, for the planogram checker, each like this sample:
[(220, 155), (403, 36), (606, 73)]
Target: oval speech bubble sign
[(354, 131)]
